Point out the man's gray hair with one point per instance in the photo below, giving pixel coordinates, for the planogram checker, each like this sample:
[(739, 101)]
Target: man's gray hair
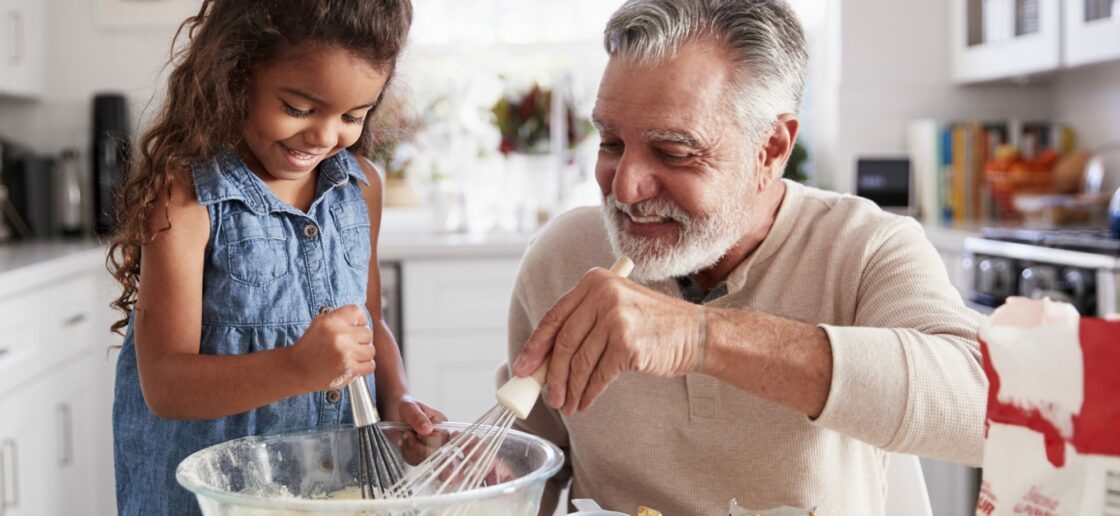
[(765, 38)]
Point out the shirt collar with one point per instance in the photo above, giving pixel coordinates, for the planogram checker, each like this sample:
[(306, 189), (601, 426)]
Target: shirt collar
[(692, 292), (779, 232), (341, 168), (227, 177)]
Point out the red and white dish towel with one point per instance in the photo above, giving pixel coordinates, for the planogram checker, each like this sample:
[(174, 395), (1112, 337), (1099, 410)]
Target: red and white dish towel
[(1053, 427)]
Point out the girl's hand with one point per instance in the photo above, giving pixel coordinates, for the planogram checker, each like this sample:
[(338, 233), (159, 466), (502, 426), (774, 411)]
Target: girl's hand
[(418, 415), (335, 349)]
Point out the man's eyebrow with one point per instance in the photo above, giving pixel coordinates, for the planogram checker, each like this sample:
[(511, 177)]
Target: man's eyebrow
[(601, 125), (307, 96), (671, 136)]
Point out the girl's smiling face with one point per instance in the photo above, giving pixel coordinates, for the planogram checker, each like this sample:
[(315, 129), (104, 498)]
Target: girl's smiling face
[(305, 106)]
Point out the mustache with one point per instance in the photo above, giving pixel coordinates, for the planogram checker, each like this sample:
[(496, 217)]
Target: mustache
[(656, 207)]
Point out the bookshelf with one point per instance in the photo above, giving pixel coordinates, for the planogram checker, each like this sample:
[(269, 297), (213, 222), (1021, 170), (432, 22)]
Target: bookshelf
[(968, 172)]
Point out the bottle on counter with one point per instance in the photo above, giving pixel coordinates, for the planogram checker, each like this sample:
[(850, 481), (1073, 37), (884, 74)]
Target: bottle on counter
[(68, 194)]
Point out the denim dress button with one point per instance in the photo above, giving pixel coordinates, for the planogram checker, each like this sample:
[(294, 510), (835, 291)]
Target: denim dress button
[(325, 309), (334, 396), (310, 231)]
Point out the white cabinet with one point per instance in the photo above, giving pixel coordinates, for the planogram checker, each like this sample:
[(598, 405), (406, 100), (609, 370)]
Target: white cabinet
[(1091, 31), (999, 39), (22, 47), (454, 330), (23, 473), (51, 438), (78, 434), (55, 393)]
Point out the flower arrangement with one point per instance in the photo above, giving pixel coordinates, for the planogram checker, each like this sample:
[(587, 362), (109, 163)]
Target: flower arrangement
[(525, 122), (393, 124)]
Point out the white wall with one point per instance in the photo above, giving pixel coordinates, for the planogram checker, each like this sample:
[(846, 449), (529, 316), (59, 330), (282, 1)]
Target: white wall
[(1089, 100), (893, 66), (85, 58)]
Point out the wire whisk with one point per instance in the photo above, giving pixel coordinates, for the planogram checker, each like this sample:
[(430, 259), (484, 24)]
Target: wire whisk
[(467, 461), (379, 465)]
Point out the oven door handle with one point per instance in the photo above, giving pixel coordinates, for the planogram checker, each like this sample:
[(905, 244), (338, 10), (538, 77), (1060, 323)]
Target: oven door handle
[(982, 308)]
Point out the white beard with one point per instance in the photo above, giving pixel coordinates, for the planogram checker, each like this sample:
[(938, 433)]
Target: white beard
[(701, 242)]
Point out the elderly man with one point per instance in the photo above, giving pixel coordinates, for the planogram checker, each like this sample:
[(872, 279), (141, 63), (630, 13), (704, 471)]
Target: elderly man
[(773, 340)]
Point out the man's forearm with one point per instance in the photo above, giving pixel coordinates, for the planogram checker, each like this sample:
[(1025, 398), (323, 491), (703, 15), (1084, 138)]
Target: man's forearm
[(778, 359)]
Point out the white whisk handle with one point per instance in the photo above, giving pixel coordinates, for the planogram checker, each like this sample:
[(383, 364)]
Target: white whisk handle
[(520, 394)]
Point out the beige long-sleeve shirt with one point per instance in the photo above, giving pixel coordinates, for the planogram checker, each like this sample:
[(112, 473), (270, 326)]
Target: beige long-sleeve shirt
[(906, 371)]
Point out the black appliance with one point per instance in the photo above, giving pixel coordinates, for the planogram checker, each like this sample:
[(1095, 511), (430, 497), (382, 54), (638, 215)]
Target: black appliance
[(27, 178), (886, 181), (1078, 266), (110, 151), (30, 189)]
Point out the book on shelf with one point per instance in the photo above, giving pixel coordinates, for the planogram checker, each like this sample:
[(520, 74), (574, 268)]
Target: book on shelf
[(968, 171)]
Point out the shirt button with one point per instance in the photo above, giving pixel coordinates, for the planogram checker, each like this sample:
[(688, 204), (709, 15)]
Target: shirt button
[(325, 309), (334, 396), (310, 231)]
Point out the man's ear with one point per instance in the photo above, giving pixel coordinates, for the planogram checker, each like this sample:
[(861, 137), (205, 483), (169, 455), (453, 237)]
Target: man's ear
[(777, 148)]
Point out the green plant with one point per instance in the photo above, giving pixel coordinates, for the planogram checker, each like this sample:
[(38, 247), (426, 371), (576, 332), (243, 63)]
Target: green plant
[(795, 167)]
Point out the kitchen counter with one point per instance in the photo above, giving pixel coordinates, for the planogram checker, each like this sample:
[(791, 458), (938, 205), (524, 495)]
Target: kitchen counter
[(25, 264), (28, 263), (949, 239), (401, 246)]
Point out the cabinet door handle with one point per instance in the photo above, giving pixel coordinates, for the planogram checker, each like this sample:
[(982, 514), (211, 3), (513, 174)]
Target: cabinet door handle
[(8, 449), (74, 320), (3, 483), (66, 435)]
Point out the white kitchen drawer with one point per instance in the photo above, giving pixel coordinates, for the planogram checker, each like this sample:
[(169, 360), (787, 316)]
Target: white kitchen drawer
[(69, 317), (457, 294), (44, 326), (21, 355)]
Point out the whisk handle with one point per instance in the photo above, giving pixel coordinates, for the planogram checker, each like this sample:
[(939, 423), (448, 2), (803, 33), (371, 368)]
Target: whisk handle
[(361, 403), (520, 394)]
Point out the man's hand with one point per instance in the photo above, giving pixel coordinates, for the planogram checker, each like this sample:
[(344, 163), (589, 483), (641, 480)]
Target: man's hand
[(604, 326)]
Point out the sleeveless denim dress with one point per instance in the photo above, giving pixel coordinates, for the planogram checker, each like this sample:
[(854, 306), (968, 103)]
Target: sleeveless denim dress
[(270, 269)]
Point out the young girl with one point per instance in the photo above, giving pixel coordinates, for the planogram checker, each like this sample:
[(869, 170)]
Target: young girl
[(246, 249)]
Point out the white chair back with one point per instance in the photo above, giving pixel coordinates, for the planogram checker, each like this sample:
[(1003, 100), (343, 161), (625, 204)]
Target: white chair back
[(906, 487)]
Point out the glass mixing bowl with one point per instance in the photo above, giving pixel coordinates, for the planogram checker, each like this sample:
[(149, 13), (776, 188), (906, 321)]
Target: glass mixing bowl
[(296, 473)]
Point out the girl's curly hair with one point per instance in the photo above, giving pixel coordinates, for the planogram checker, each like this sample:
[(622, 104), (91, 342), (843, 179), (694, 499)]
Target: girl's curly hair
[(208, 97)]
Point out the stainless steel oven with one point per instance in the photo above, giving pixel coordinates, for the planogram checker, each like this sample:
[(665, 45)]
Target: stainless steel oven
[(391, 299), (1080, 267)]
